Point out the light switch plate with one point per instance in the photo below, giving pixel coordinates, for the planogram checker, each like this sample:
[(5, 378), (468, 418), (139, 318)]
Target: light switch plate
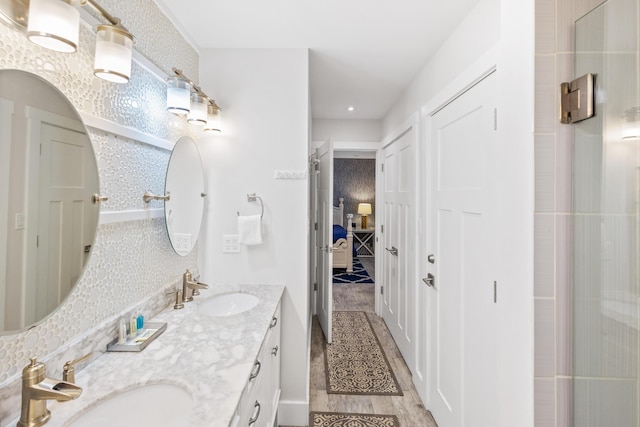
[(230, 244)]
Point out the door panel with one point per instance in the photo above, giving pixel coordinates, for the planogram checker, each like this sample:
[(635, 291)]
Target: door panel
[(463, 312), (398, 299), (325, 236)]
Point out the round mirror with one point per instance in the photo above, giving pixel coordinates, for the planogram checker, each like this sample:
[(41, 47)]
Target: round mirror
[(48, 221), (185, 186)]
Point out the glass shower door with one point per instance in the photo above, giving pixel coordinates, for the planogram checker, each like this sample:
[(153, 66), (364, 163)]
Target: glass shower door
[(606, 181)]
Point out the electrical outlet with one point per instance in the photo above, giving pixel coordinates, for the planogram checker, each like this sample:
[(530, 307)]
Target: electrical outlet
[(230, 244)]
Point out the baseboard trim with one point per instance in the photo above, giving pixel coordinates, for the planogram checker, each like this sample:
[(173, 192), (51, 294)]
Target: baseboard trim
[(293, 413)]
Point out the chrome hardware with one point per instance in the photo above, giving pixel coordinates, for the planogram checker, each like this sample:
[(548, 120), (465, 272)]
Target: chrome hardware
[(37, 389), (430, 280), (431, 258), (252, 198), (68, 370), (188, 285), (577, 100), (393, 250), (149, 196), (274, 351), (253, 419), (328, 249), (254, 374), (273, 323), (96, 198)]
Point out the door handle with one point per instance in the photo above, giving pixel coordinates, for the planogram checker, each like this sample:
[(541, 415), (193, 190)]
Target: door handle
[(430, 280), (393, 250)]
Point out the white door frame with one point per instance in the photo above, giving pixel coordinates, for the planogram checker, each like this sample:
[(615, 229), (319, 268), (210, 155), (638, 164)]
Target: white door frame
[(6, 130)]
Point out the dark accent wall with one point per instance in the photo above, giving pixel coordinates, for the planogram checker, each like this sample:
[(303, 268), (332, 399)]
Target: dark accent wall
[(355, 180)]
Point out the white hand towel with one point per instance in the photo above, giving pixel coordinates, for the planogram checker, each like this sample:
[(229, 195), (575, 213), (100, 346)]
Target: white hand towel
[(250, 230)]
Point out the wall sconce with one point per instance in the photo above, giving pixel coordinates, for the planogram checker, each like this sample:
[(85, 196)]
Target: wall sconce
[(55, 25), (178, 95), (114, 49), (213, 119), (185, 97), (198, 111), (364, 209)]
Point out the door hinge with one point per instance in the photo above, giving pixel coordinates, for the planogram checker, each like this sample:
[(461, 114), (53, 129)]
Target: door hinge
[(315, 226), (577, 100), (495, 119), (381, 290), (495, 292), (37, 241), (315, 286), (382, 167), (382, 228)]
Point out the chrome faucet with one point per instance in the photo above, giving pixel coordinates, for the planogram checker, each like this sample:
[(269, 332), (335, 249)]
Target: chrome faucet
[(37, 389), (189, 285)]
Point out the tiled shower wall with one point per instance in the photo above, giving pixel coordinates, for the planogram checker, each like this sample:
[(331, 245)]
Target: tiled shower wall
[(132, 263), (553, 224)]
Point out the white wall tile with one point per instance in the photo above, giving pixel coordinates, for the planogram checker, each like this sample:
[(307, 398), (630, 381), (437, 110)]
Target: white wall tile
[(545, 26), (544, 402), (545, 94), (564, 294), (545, 173), (544, 255), (545, 338)]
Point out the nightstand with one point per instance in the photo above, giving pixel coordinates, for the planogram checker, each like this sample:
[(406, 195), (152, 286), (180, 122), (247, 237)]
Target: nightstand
[(364, 241)]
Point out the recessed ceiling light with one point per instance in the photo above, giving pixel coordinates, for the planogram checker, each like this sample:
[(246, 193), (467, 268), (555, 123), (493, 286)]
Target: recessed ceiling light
[(351, 108)]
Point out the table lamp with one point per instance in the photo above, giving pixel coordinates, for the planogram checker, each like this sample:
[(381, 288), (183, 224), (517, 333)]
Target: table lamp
[(364, 209)]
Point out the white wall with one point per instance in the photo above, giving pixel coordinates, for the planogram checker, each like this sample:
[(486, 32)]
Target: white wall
[(347, 130), (498, 33), (477, 33), (264, 97)]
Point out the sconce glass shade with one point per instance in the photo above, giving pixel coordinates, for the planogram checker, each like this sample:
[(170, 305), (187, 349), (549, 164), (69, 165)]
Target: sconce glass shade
[(198, 113), (364, 208), (213, 120), (178, 95), (54, 24), (113, 54)]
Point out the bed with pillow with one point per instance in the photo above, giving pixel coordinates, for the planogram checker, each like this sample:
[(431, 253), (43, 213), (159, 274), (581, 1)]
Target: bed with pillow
[(342, 238)]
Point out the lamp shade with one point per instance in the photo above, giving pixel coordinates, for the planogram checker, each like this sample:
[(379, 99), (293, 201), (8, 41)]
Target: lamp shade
[(178, 95), (198, 113), (113, 54), (364, 208), (54, 24), (213, 120)]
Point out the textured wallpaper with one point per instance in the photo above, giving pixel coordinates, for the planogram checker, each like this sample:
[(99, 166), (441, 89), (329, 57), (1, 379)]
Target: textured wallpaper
[(355, 180), (132, 262)]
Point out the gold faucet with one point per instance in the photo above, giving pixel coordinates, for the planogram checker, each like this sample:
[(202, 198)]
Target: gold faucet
[(37, 389), (189, 285)]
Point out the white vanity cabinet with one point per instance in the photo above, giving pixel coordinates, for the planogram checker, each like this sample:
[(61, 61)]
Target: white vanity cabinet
[(258, 405)]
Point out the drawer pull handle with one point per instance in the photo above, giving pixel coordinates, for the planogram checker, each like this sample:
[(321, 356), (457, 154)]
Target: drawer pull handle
[(274, 351), (256, 372), (255, 418), (274, 322)]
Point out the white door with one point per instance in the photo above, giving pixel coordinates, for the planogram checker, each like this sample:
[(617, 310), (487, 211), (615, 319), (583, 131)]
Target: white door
[(462, 309), (65, 212), (399, 242), (325, 238)]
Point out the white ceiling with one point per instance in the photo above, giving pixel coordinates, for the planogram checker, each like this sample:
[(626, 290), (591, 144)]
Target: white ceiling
[(362, 52)]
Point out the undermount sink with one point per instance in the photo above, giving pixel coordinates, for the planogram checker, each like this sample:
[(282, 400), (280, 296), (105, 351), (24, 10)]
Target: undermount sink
[(153, 405), (228, 304)]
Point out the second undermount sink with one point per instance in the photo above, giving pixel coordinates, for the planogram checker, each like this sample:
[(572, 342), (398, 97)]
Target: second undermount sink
[(228, 304), (153, 405)]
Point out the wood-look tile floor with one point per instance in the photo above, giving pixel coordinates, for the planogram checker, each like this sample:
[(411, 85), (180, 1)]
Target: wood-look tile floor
[(408, 408)]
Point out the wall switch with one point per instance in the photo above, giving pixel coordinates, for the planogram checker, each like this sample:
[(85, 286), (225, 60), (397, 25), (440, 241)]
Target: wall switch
[(19, 221), (230, 244), (181, 242)]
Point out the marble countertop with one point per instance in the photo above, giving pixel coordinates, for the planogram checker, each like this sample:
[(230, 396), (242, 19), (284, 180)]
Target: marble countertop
[(210, 357)]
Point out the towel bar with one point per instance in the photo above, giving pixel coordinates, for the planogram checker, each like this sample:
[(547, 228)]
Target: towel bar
[(252, 198)]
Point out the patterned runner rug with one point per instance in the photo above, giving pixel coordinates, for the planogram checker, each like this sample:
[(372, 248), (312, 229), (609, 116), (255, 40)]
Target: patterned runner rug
[(355, 362), (359, 274), (335, 419)]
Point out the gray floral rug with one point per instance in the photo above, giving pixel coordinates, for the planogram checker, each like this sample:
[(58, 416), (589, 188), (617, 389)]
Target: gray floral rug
[(355, 362), (335, 419)]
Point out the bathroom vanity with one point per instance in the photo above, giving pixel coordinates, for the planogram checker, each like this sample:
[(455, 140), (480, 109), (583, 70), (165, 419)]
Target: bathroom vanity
[(228, 365)]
